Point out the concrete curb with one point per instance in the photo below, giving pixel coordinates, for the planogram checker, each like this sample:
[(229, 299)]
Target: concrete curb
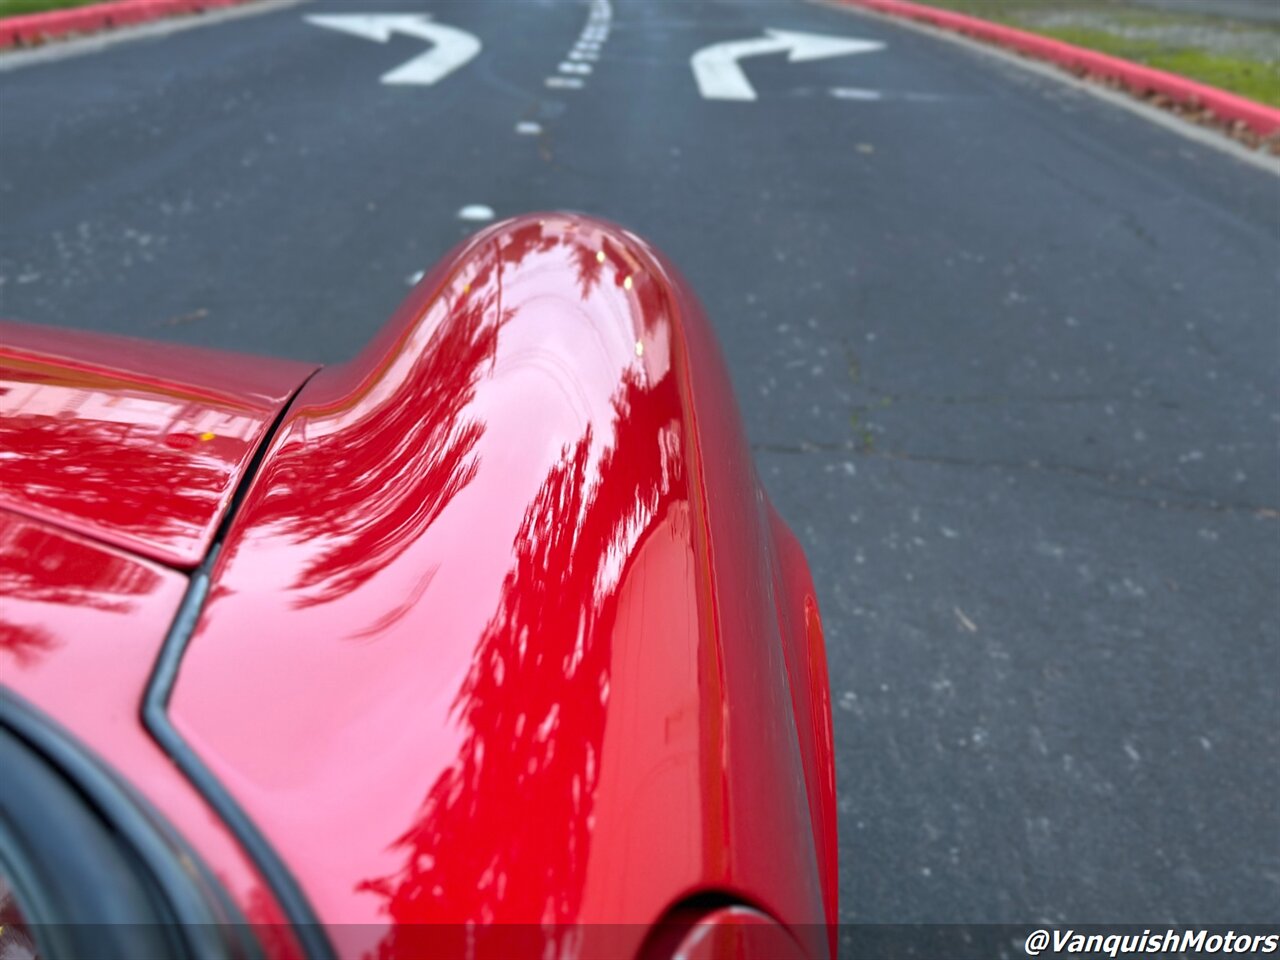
[(32, 29), (1144, 81)]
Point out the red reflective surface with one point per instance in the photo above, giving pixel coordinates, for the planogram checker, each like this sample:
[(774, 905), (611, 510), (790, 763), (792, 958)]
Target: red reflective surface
[(502, 633), (137, 444), (81, 625)]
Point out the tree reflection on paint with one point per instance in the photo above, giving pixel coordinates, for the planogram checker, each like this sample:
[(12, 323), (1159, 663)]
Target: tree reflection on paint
[(401, 459), (39, 566), (80, 466), (120, 453), (541, 667)]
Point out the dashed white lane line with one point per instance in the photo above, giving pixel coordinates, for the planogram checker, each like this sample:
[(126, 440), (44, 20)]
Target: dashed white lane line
[(528, 128), (587, 49), (413, 278), (475, 211)]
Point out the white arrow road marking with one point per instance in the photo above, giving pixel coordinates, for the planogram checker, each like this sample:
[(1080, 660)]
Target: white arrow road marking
[(720, 78), (453, 47)]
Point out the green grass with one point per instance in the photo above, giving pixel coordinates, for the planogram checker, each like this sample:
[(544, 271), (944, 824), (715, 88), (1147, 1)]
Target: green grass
[(1008, 11), (1254, 78), (13, 8)]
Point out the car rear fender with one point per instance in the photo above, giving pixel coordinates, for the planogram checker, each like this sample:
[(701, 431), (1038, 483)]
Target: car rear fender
[(501, 617)]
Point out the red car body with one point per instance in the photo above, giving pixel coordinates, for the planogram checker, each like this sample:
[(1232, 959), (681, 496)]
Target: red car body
[(487, 641)]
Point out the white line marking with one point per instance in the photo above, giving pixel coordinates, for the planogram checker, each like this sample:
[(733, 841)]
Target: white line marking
[(453, 47), (1171, 121), (476, 211), (568, 67), (565, 83), (528, 128), (855, 93), (716, 70), (413, 278)]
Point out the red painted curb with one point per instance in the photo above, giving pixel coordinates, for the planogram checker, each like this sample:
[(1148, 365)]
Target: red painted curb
[(1141, 80), (35, 28)]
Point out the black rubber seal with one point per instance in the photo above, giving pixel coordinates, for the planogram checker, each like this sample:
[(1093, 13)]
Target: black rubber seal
[(187, 902), (155, 717)]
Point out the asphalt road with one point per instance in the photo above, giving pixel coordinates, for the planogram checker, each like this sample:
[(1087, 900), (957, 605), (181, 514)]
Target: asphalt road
[(1009, 357)]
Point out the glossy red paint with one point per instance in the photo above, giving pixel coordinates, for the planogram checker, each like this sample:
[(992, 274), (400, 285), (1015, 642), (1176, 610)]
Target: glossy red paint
[(80, 627), (136, 444), (36, 28), (506, 631)]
